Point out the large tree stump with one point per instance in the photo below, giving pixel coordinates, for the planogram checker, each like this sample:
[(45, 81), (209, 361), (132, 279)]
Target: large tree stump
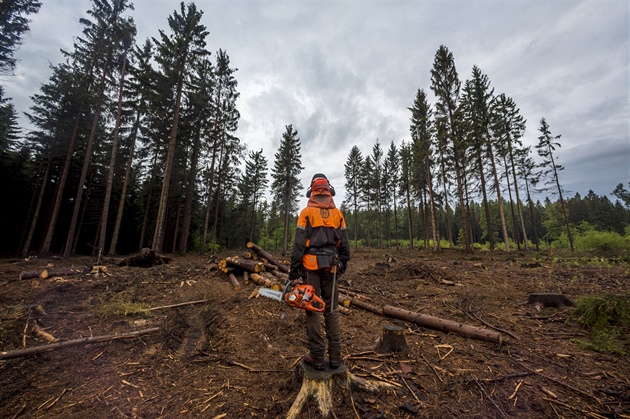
[(319, 384), (393, 340)]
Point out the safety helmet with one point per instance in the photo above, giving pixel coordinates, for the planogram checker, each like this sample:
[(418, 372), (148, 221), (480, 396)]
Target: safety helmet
[(319, 181)]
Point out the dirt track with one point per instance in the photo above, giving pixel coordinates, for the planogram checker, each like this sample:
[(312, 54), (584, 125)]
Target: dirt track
[(234, 357)]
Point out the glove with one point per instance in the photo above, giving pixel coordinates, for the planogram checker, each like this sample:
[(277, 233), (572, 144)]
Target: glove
[(295, 278), (341, 267)]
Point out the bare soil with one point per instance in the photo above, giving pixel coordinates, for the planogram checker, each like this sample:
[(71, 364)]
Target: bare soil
[(236, 357)]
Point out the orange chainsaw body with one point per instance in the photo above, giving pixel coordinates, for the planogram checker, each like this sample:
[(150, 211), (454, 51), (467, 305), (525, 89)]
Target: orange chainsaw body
[(304, 297)]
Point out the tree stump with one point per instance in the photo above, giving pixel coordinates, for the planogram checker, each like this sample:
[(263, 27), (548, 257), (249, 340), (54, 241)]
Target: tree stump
[(319, 384), (542, 300), (393, 340)]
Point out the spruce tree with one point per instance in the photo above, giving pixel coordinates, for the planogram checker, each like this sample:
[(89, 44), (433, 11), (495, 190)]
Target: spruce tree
[(422, 137), (286, 185), (546, 147), (352, 173), (405, 185), (175, 53), (13, 25)]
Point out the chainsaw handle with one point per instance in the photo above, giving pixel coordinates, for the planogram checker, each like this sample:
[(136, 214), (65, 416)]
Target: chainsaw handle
[(315, 304)]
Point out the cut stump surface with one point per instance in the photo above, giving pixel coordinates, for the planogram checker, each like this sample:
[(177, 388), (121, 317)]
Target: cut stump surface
[(319, 384)]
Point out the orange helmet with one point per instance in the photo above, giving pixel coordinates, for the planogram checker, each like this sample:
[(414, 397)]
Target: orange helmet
[(319, 181)]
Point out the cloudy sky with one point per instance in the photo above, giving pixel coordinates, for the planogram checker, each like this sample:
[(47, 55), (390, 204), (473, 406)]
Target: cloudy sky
[(343, 73)]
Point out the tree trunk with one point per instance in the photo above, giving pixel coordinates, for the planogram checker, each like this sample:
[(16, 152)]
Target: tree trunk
[(112, 163), (506, 237), (486, 204), (86, 162), (190, 192), (38, 207), (123, 193), (158, 237), (434, 224), (409, 219), (61, 185), (519, 205), (147, 205)]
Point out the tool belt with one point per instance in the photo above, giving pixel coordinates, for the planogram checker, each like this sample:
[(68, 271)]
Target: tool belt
[(319, 257)]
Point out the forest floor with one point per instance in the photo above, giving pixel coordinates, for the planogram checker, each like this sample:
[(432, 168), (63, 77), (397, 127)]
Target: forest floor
[(236, 357)]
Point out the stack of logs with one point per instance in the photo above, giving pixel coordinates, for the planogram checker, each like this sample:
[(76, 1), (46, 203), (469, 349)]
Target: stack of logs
[(256, 265)]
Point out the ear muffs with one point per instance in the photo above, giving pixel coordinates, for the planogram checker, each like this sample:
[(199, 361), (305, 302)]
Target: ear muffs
[(309, 191)]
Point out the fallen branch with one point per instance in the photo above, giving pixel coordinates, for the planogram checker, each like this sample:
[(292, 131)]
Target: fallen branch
[(187, 303), (490, 399), (561, 383), (65, 344), (498, 329)]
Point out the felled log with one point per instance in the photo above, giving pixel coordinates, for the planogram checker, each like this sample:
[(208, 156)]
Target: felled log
[(282, 277), (65, 344), (270, 266), (268, 256), (245, 277), (321, 384), (261, 280), (443, 325), (426, 320), (250, 255), (246, 264), (52, 272), (362, 304), (234, 281)]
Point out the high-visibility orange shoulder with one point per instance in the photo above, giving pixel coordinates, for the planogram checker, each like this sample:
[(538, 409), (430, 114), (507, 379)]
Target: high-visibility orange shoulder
[(321, 217)]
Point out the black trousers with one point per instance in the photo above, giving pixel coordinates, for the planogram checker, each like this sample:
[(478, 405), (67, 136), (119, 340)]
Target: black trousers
[(322, 280)]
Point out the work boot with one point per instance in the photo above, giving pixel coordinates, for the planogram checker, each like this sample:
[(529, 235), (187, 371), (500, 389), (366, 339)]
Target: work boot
[(315, 363), (334, 364)]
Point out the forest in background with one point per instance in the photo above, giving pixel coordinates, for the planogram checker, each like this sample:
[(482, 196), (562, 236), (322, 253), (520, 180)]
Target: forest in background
[(133, 144)]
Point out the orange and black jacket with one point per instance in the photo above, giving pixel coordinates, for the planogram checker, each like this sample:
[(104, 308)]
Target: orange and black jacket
[(320, 235)]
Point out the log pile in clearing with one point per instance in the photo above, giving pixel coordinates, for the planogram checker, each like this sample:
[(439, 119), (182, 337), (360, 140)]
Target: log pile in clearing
[(255, 265)]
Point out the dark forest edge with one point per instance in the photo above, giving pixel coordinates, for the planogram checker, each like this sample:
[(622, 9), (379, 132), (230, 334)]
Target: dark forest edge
[(132, 145)]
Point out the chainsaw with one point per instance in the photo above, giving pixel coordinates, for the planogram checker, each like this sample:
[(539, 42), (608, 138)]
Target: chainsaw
[(301, 296)]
